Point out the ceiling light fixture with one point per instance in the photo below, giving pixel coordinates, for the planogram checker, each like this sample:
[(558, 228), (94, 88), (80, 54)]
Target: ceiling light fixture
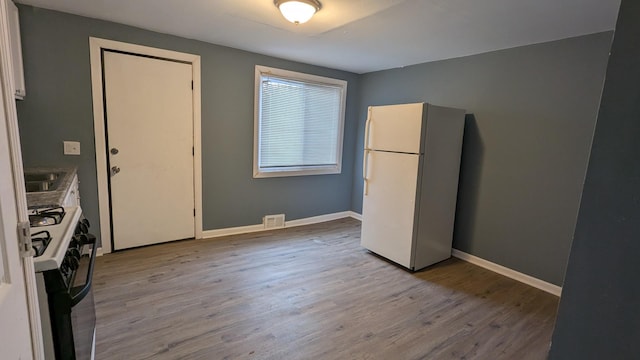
[(298, 11)]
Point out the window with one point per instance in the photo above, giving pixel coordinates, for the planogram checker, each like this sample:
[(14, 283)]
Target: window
[(299, 120)]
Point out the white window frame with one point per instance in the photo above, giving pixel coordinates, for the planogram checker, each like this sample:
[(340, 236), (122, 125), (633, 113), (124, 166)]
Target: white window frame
[(300, 170)]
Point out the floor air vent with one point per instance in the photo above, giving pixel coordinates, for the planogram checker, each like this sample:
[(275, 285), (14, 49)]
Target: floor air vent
[(273, 221)]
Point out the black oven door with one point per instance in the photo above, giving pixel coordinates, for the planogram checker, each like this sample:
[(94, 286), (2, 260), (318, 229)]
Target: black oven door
[(71, 309), (83, 314)]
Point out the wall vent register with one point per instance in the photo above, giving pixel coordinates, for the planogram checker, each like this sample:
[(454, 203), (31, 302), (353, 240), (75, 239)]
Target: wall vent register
[(273, 221)]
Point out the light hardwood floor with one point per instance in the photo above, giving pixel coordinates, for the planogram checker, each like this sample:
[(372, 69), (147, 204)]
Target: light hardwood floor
[(309, 293)]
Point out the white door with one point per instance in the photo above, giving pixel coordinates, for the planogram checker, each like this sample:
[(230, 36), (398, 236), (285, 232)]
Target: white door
[(388, 205), (395, 128), (15, 336), (149, 116)]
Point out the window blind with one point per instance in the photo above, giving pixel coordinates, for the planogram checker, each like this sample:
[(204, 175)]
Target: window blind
[(299, 123)]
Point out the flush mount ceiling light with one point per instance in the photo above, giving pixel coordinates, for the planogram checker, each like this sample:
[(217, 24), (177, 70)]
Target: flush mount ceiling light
[(298, 11)]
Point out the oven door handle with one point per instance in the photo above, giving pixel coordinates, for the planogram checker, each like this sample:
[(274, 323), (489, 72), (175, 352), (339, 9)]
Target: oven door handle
[(78, 296)]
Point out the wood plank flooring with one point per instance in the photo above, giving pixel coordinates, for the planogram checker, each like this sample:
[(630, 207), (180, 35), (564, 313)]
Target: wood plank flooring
[(309, 293)]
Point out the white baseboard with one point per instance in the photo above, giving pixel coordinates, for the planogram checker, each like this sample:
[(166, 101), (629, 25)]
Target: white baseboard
[(510, 273), (292, 223), (355, 215), (232, 231), (317, 219)]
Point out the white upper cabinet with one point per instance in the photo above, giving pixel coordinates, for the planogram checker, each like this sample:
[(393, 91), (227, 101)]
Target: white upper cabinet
[(16, 52)]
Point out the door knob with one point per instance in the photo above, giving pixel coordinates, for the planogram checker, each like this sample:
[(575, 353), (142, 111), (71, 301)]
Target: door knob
[(115, 170), (114, 151)]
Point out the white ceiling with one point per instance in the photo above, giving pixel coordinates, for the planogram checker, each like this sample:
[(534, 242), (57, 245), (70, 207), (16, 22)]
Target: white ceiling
[(359, 35)]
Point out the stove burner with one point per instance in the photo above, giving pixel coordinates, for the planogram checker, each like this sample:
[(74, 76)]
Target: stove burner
[(40, 241), (50, 215)]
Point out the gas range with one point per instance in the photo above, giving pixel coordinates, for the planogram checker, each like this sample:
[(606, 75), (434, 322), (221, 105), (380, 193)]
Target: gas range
[(46, 215), (64, 259), (50, 242)]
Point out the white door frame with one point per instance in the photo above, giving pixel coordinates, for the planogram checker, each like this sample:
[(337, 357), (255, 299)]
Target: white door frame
[(11, 118), (96, 45)]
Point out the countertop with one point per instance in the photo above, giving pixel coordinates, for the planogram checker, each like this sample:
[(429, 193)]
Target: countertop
[(55, 197)]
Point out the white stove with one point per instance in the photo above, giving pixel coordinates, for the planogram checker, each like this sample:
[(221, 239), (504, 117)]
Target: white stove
[(61, 235), (64, 258)]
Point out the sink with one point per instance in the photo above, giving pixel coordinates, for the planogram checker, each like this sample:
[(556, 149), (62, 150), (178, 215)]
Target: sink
[(42, 177), (38, 186), (38, 182)]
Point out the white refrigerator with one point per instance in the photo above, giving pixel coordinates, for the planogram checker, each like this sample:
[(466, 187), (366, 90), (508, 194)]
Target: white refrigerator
[(410, 168)]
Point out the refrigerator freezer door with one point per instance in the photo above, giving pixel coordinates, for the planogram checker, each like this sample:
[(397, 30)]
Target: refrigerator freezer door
[(388, 207), (395, 128)]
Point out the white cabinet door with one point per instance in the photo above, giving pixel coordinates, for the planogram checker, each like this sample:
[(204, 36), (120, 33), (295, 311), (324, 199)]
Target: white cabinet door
[(15, 337), (16, 52), (395, 128), (73, 197), (388, 206)]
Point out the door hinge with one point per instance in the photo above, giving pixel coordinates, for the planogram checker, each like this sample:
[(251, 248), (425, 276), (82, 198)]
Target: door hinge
[(193, 151), (194, 212), (191, 84), (24, 239)]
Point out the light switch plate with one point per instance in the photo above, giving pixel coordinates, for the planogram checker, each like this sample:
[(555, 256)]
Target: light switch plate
[(71, 147)]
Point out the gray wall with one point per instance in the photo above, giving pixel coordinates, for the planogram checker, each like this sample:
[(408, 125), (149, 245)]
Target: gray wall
[(526, 143), (58, 107), (598, 316), (532, 112)]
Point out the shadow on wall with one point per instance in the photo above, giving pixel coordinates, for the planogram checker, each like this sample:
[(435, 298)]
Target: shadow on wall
[(469, 183)]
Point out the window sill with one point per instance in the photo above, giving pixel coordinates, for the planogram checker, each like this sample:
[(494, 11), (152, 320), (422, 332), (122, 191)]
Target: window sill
[(268, 173)]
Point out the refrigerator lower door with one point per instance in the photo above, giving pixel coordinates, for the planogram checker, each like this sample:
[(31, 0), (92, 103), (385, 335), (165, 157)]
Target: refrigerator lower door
[(388, 206)]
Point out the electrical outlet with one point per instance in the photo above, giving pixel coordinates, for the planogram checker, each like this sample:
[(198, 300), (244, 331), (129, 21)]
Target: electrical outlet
[(71, 147)]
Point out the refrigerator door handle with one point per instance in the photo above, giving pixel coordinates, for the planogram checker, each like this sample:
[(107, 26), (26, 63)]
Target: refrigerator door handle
[(365, 160), (367, 127), (365, 170)]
